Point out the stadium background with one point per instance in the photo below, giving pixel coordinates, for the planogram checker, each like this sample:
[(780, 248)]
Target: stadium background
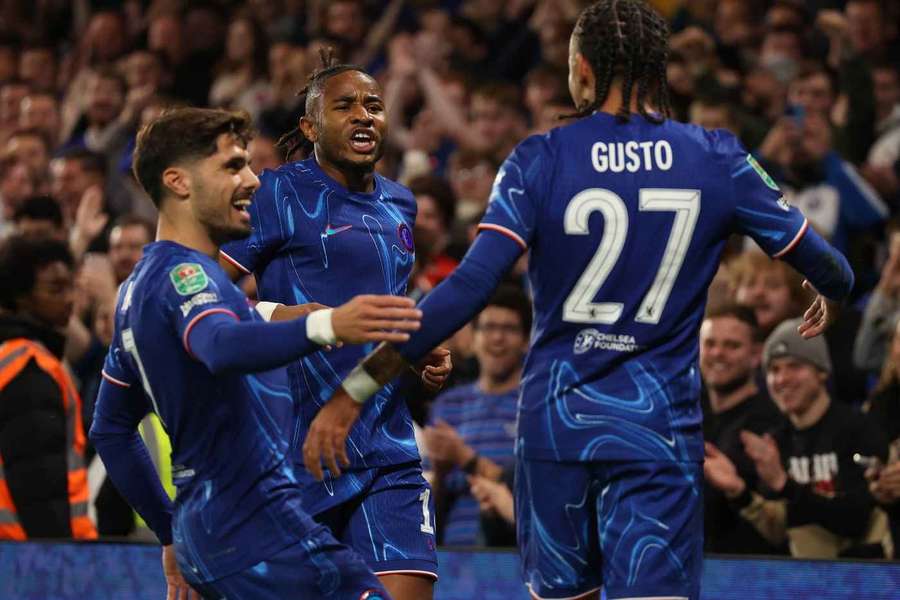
[(464, 81)]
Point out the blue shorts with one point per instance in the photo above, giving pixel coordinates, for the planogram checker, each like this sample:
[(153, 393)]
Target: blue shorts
[(636, 528), (385, 514), (316, 567)]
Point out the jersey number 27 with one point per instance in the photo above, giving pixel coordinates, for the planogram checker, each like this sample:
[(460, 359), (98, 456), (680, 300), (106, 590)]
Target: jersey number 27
[(580, 307)]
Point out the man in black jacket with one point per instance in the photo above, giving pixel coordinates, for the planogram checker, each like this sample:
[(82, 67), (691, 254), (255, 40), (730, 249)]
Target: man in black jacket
[(44, 491), (730, 355), (811, 492)]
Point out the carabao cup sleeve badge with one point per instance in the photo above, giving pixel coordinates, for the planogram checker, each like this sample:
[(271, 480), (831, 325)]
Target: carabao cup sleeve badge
[(406, 236)]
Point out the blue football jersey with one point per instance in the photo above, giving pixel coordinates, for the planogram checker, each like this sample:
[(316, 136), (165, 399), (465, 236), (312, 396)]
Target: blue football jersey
[(238, 501), (625, 223), (315, 241)]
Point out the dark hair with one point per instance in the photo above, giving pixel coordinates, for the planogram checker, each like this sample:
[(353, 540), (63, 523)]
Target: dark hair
[(506, 95), (512, 297), (295, 140), (133, 220), (625, 38), (35, 133), (89, 161), (40, 208), (182, 134), (21, 257), (438, 188), (260, 58), (810, 69), (744, 314), (110, 73)]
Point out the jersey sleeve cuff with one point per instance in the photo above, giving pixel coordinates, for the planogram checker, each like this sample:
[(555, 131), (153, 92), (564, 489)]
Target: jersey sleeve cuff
[(359, 385), (793, 243), (504, 231), (319, 328), (114, 380), (233, 262), (185, 339), (266, 309)]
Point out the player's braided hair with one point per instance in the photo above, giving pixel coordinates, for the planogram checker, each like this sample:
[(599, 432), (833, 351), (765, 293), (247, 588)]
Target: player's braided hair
[(626, 38), (295, 140)]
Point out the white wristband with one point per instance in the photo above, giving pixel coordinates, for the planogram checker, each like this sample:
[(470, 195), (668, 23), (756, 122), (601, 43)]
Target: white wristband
[(266, 309), (359, 385), (319, 329)]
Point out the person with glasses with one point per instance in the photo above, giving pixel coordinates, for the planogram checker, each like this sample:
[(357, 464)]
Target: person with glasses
[(472, 428)]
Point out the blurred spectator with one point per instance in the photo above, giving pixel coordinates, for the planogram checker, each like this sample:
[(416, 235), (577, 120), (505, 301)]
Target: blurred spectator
[(497, 119), (105, 125), (40, 216), (870, 351), (147, 69), (72, 174), (544, 84), (263, 154), (471, 174), (436, 208), (884, 413), (127, 238), (17, 183), (799, 155), (820, 503), (44, 492), (37, 67), (8, 63), (775, 292), (240, 77), (769, 287), (730, 354), (39, 111), (31, 148), (12, 92), (713, 114), (473, 427), (287, 76), (883, 162)]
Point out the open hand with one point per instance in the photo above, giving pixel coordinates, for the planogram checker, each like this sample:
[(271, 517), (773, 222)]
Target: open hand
[(370, 318), (820, 314), (721, 473), (327, 436), (763, 450), (176, 587), (435, 369)]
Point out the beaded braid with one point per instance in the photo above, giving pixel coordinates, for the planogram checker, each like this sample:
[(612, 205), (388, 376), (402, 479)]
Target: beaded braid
[(295, 140), (629, 39)]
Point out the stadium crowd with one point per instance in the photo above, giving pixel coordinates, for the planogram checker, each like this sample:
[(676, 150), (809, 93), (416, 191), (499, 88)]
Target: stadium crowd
[(803, 435)]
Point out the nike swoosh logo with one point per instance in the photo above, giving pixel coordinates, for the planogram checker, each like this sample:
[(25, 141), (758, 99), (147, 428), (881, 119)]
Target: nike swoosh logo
[(330, 231)]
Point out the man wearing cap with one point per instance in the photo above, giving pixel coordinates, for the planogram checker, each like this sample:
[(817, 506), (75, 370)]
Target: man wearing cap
[(811, 492)]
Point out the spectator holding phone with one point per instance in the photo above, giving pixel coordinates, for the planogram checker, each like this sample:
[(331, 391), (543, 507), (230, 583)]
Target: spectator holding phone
[(884, 412)]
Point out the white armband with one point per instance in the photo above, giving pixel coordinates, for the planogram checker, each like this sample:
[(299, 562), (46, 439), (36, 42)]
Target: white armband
[(319, 329), (359, 385), (266, 309)]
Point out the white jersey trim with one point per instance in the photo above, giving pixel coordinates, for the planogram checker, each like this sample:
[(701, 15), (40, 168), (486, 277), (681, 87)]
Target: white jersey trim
[(794, 241), (235, 263), (505, 231)]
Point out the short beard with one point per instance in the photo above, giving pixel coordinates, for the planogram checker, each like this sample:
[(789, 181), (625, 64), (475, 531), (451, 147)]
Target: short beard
[(729, 387)]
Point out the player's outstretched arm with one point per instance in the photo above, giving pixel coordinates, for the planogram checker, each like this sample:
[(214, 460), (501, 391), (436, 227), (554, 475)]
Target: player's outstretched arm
[(828, 275), (221, 342), (448, 307)]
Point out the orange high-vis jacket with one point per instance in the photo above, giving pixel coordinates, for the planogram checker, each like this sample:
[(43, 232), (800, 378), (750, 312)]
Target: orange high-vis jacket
[(14, 356)]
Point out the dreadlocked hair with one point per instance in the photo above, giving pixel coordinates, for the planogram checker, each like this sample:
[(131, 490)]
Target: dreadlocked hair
[(627, 39), (294, 140)]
